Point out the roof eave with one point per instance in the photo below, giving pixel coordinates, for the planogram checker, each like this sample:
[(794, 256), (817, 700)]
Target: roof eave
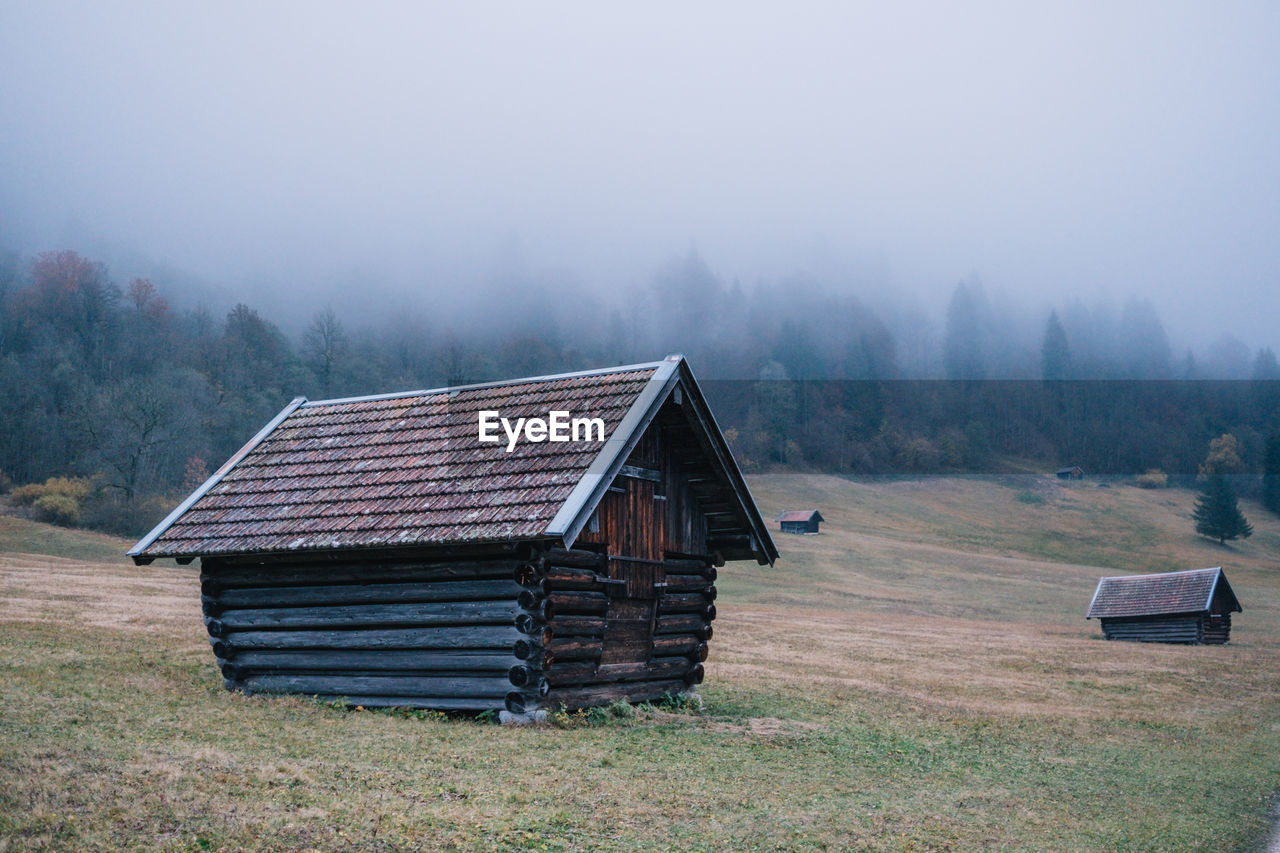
[(768, 550), (591, 487), (465, 546)]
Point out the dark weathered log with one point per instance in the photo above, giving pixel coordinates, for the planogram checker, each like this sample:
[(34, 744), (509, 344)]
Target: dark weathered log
[(520, 703), (397, 593), (462, 663), (578, 626), (686, 583), (215, 627), (527, 574), (379, 685), (525, 676), (709, 612), (682, 602), (680, 644), (579, 603), (361, 615), (475, 637), (686, 623), (535, 627), (573, 698), (685, 566), (561, 577), (537, 607), (434, 703), (706, 576), (576, 672), (530, 599), (589, 673), (575, 558), (220, 576), (575, 648), (525, 649), (695, 674)]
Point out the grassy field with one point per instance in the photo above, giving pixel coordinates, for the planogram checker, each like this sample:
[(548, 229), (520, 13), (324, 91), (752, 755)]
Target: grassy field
[(918, 677)]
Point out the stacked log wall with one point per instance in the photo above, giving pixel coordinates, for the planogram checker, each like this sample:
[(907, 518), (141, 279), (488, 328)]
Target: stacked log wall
[(412, 633), (1216, 630), (1186, 628), (570, 585)]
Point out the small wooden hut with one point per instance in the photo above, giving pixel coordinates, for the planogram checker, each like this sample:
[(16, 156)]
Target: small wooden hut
[(1175, 607), (800, 521), (374, 550), (1074, 472)]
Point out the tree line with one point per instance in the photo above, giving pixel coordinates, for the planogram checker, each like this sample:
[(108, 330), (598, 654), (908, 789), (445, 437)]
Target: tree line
[(113, 385)]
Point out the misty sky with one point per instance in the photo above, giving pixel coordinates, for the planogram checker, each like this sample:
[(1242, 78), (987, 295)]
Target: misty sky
[(1092, 149)]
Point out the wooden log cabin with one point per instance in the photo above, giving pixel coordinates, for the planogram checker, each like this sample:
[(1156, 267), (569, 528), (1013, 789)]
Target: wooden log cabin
[(1174, 607), (374, 550), (800, 521)]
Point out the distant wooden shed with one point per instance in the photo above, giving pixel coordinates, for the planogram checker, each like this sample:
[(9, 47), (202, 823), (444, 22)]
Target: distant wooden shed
[(1075, 472), (373, 549), (1175, 607), (801, 521)]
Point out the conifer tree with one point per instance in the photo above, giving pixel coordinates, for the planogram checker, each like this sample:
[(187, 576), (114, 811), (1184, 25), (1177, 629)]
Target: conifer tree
[(1271, 474), (1217, 512), (1055, 353)]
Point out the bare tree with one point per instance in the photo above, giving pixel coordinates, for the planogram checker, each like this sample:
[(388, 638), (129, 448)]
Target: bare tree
[(325, 346)]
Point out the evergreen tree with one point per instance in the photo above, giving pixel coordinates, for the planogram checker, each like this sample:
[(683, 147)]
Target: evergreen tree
[(1265, 366), (1055, 353), (1271, 474), (1217, 513), (964, 349)]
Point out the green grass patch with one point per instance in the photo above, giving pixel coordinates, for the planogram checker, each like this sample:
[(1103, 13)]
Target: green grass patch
[(23, 536)]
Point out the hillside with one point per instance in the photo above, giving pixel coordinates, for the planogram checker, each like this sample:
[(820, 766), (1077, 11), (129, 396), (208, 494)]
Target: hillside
[(918, 676)]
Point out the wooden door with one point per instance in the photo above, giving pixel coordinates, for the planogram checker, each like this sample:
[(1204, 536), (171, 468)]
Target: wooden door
[(635, 557)]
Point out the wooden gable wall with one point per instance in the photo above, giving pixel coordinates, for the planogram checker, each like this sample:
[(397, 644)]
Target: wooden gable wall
[(651, 510)]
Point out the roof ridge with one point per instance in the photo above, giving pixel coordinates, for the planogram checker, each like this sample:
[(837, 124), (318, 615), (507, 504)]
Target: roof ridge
[(453, 389), (1162, 574)]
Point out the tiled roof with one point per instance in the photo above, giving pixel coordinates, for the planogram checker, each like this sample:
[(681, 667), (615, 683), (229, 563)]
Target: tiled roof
[(400, 470), (798, 515), (1150, 595)]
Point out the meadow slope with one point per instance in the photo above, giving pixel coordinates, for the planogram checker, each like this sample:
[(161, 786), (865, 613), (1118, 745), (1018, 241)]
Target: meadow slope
[(918, 677)]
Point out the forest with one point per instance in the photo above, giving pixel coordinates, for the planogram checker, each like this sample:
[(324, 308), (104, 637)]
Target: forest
[(132, 393)]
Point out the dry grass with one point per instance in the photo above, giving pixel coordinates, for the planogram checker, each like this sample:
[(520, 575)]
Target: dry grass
[(919, 676)]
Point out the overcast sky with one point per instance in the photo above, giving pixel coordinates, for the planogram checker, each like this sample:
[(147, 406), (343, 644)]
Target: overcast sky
[(1091, 149)]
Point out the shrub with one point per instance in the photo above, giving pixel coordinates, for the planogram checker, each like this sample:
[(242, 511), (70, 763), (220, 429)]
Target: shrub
[(26, 495), (1153, 479), (57, 509), (622, 709), (76, 488)]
